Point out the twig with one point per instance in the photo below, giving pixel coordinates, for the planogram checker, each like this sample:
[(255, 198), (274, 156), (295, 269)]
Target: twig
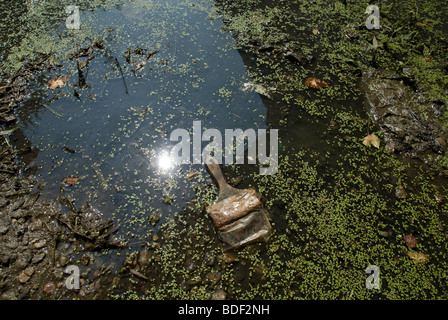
[(52, 111), (75, 231), (7, 86), (81, 78), (122, 75), (3, 151), (138, 274), (368, 126), (7, 171), (107, 269), (7, 141)]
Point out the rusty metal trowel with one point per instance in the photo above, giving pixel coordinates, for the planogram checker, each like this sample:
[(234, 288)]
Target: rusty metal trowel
[(238, 214)]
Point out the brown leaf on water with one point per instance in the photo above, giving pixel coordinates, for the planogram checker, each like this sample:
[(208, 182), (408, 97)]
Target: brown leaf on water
[(371, 140), (410, 240), (418, 257), (57, 82), (69, 181), (313, 82), (192, 174)]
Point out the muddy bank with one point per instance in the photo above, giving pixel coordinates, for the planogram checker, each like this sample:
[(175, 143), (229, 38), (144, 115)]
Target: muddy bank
[(396, 108), (41, 238), (402, 92)]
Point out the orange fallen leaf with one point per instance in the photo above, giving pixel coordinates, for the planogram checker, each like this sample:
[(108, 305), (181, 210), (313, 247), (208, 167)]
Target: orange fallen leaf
[(69, 181), (370, 140), (313, 82), (57, 82)]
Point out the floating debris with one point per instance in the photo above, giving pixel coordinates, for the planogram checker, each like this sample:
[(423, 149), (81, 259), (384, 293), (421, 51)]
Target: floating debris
[(68, 149), (371, 140), (69, 181), (258, 88), (57, 82), (418, 257), (191, 175), (238, 214), (313, 82), (410, 240)]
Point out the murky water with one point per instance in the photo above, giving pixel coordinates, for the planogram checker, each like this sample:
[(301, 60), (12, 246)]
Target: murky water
[(160, 66), (115, 134)]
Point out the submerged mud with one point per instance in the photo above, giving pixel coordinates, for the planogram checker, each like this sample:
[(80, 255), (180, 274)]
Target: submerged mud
[(394, 105)]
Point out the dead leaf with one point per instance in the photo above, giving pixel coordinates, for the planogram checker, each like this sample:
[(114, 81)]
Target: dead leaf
[(258, 89), (313, 82), (7, 132), (370, 140), (315, 31), (410, 240), (418, 257), (191, 175), (69, 181), (374, 43), (57, 82)]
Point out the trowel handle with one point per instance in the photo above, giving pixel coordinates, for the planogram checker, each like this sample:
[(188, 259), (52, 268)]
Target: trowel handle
[(213, 166)]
